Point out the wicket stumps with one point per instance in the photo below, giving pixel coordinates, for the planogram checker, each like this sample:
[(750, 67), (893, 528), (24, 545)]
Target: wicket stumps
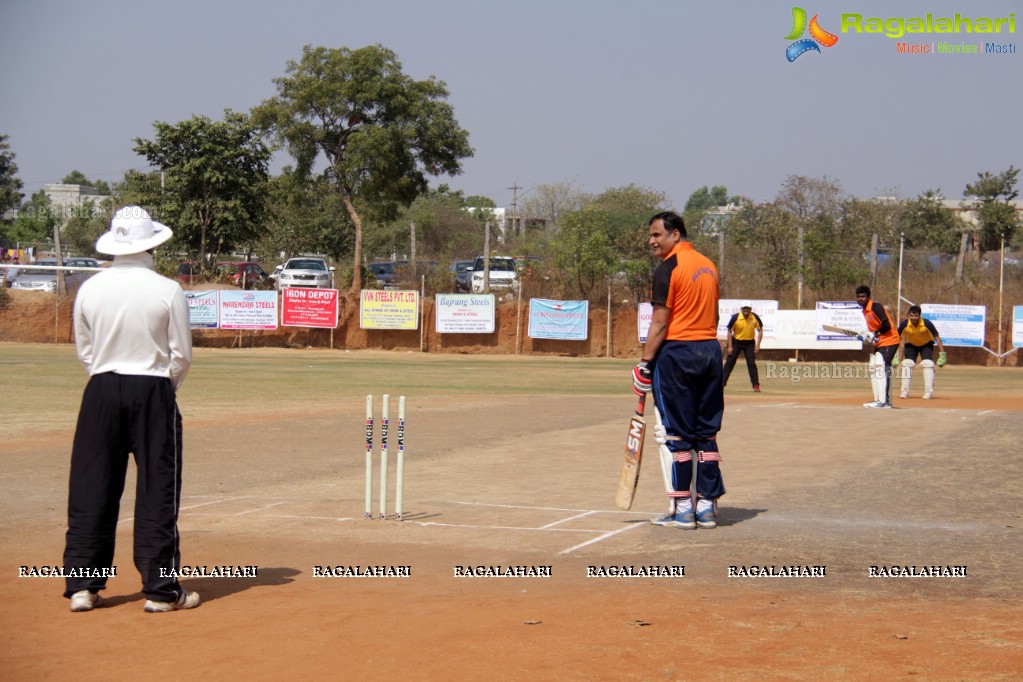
[(400, 464)]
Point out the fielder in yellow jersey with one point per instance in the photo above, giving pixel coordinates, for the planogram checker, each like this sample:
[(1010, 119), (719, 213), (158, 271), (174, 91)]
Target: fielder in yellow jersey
[(919, 336), (745, 331)]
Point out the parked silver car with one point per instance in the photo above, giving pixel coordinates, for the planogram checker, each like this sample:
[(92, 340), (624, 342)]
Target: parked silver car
[(305, 272), (37, 279)]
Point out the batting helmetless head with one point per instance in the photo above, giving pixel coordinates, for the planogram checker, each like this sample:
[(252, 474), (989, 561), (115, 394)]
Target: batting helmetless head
[(132, 231)]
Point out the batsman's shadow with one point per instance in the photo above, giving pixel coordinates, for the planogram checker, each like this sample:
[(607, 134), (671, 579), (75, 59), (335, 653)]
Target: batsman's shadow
[(730, 516), (215, 588)]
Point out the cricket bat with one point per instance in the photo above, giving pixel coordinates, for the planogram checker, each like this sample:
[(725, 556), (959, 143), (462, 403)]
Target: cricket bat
[(841, 330), (629, 476)]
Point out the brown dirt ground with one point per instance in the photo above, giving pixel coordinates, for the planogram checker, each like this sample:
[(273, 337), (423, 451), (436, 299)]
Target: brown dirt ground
[(507, 481)]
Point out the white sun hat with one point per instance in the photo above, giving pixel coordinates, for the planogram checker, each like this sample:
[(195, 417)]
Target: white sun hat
[(132, 231), (746, 304)]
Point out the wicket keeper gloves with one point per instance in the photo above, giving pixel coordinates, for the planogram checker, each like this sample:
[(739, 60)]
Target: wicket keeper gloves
[(942, 359), (641, 378), (896, 362)]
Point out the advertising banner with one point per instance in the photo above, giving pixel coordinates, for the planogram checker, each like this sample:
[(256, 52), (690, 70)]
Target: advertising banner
[(248, 309), (564, 320), (465, 313), (844, 314), (958, 325), (203, 309), (309, 307), (1017, 326), (388, 309)]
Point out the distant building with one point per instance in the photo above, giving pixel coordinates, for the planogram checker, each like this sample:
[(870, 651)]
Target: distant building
[(67, 200)]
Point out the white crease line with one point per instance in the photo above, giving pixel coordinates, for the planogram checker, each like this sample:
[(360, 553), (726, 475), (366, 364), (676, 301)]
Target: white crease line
[(528, 528), (570, 518), (523, 506), (250, 511), (602, 537)]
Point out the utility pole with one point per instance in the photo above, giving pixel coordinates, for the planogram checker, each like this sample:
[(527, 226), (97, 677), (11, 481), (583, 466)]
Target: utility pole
[(515, 206)]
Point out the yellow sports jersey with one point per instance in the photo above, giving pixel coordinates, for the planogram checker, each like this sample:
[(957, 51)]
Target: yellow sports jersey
[(745, 328), (922, 334)]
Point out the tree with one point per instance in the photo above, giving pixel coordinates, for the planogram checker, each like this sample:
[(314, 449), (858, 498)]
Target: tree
[(703, 200), (380, 132), (76, 177), (10, 185), (927, 223), (771, 232), (35, 222), (550, 202), (214, 194), (996, 214)]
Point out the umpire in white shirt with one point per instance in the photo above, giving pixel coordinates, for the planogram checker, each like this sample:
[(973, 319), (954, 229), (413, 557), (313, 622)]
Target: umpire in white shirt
[(133, 336)]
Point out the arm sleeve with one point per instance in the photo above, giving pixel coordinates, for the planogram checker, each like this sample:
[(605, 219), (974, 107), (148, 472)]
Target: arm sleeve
[(732, 320), (83, 336), (931, 328), (881, 314), (760, 323), (661, 284), (179, 336), (902, 326)]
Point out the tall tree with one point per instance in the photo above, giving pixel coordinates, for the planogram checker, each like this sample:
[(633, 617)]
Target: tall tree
[(214, 193), (550, 202), (10, 185), (381, 132), (703, 200), (928, 223), (996, 214)]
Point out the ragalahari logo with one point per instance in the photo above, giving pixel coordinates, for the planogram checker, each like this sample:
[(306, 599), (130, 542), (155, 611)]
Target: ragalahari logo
[(818, 35)]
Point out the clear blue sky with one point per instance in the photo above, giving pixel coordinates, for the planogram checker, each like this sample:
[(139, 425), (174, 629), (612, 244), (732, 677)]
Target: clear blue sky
[(667, 94)]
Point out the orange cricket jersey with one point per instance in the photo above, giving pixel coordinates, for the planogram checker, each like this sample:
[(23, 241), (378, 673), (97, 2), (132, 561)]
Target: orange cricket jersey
[(686, 282)]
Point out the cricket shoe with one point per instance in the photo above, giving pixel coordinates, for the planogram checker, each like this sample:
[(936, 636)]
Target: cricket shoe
[(904, 395), (84, 600), (878, 405), (756, 388), (683, 519), (187, 600), (928, 395), (706, 517)]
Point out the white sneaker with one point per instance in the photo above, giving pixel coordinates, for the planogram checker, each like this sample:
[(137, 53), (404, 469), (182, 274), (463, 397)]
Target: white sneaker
[(187, 600), (904, 395), (84, 600), (928, 395), (873, 403)]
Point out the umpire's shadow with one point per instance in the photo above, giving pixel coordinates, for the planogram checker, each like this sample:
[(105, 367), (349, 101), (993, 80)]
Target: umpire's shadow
[(215, 588)]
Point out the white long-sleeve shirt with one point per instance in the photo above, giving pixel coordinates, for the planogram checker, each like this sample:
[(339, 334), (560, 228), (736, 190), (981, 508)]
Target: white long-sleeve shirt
[(131, 320)]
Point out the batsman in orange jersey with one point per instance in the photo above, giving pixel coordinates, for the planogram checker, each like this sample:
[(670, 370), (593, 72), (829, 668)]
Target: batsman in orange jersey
[(884, 337), (681, 364)]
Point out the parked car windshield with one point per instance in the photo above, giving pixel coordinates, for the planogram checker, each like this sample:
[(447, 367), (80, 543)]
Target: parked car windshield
[(497, 264), (306, 264)]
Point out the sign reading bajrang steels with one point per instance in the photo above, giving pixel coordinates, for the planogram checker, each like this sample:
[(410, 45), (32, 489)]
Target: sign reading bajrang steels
[(952, 34)]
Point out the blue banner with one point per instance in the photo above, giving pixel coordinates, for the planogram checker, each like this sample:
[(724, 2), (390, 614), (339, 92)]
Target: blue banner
[(563, 320)]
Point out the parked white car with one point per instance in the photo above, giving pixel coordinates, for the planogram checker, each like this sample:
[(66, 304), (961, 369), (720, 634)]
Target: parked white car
[(305, 272), (503, 274)]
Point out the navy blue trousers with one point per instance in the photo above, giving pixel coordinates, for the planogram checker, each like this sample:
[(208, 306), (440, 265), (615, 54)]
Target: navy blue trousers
[(689, 395), (124, 414)]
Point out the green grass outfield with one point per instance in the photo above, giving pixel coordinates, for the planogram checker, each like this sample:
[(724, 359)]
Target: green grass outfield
[(41, 384)]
